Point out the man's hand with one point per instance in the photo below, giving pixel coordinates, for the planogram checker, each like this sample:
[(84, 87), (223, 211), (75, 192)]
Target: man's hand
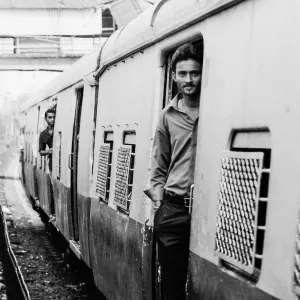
[(157, 204), (50, 151), (155, 197)]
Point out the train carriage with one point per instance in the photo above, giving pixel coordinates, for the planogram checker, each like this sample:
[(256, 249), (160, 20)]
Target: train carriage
[(245, 212)]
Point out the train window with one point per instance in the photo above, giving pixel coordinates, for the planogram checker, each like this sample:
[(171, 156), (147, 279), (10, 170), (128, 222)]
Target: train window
[(58, 155), (104, 166), (170, 87), (125, 171), (242, 206)]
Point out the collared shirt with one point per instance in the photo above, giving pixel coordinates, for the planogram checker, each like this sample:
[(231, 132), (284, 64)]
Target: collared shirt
[(174, 150), (46, 139)]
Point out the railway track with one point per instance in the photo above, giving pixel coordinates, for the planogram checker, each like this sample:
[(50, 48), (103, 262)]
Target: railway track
[(15, 285), (36, 260)]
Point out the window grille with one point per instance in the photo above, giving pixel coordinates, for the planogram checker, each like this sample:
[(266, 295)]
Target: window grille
[(296, 280), (242, 209), (124, 176), (104, 171), (58, 156)]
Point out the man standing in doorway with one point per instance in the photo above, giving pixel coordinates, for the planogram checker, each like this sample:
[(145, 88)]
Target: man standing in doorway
[(172, 171), (46, 137)]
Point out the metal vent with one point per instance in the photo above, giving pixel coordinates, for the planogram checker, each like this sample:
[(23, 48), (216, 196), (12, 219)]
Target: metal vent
[(296, 283), (102, 170), (237, 221), (121, 185)]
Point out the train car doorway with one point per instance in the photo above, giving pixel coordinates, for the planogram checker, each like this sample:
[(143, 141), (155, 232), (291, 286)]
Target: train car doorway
[(74, 158), (162, 263)]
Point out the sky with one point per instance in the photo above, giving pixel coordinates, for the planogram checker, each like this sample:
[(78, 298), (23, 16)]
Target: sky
[(14, 85)]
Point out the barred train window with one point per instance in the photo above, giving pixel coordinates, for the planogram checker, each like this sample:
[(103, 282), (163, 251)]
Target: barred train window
[(104, 166), (242, 205), (58, 156), (170, 87), (125, 171)]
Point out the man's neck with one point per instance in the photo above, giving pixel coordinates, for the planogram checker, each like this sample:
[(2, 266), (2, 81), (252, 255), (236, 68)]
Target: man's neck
[(50, 128), (191, 102)]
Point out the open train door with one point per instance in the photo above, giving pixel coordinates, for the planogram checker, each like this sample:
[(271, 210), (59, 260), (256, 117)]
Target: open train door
[(73, 164)]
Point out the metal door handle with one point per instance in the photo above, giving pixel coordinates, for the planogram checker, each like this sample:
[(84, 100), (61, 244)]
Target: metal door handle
[(70, 161), (191, 198)]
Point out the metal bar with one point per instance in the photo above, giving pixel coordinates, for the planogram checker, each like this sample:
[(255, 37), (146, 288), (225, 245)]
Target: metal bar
[(262, 199)]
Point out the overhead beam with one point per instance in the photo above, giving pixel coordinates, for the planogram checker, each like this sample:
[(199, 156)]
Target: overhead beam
[(22, 63)]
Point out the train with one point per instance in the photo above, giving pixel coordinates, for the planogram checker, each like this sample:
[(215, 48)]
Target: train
[(245, 232)]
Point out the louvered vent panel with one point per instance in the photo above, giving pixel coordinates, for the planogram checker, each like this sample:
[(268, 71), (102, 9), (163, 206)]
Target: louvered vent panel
[(296, 282), (237, 220), (102, 170), (121, 185)]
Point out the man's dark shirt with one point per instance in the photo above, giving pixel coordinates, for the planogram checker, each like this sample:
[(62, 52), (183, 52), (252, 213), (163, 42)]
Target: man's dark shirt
[(174, 151), (46, 139)]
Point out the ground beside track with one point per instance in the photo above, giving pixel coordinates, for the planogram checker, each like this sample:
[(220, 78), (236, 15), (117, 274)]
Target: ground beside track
[(3, 295), (48, 273)]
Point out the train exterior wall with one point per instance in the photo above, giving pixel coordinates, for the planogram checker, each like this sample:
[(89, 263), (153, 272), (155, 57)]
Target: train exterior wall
[(119, 254), (62, 196), (241, 90), (44, 191), (66, 102), (249, 83), (85, 163)]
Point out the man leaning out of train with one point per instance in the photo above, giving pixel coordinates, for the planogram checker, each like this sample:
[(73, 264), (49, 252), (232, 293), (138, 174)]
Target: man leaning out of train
[(46, 137), (172, 171)]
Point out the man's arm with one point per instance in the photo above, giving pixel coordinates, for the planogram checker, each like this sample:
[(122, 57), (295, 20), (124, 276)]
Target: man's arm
[(45, 152), (161, 157)]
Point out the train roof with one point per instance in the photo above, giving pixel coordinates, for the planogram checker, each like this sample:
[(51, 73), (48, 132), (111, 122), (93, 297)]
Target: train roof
[(156, 23), (81, 69)]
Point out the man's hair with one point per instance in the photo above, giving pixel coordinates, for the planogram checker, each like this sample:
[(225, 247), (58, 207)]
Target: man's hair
[(49, 111), (185, 52)]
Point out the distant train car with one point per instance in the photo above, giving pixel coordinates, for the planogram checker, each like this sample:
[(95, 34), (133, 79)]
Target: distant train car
[(73, 93), (245, 215)]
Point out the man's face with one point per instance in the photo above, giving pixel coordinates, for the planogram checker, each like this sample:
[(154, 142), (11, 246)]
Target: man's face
[(188, 77), (50, 119)]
